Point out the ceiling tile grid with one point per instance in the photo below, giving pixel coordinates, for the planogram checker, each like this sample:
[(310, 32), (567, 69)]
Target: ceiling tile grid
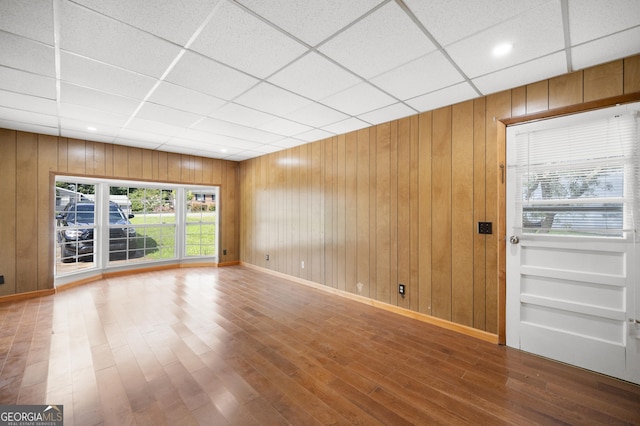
[(236, 79)]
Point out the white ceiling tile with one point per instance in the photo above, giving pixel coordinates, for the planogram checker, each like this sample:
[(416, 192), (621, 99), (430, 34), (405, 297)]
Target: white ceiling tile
[(267, 97), (387, 113), (239, 39), (89, 34), (32, 19), (28, 127), (346, 126), (240, 114), (86, 136), (82, 126), (181, 98), (244, 155), (166, 115), (267, 149), (519, 75), (28, 103), (315, 77), (90, 98), (158, 127), (606, 49), (196, 135), (592, 19), (359, 99), (314, 135), (93, 117), (423, 75), (205, 75), (465, 18), (447, 96), (136, 143), (284, 127), (28, 117), (289, 142), (234, 143), (27, 83), (169, 19), (310, 21), (100, 76), (382, 41), (316, 115), (27, 55), (226, 128), (143, 136), (535, 33)]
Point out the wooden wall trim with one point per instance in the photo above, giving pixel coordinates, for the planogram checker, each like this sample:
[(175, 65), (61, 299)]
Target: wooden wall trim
[(27, 295), (463, 329), (573, 109)]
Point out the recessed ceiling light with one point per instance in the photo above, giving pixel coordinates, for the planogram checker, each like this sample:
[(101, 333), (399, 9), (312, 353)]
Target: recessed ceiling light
[(502, 49), (223, 150), (91, 129)]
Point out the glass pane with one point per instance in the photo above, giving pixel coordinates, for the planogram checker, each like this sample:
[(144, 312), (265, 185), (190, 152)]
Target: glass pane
[(75, 226), (201, 222)]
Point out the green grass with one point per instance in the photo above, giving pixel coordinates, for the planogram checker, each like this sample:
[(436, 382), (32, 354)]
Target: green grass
[(158, 242)]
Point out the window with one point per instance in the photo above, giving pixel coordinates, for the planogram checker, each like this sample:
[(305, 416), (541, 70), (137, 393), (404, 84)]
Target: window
[(579, 179), (104, 224)]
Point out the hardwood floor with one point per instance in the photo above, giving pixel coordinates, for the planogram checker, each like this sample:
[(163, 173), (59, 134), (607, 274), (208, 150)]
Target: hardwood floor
[(236, 346)]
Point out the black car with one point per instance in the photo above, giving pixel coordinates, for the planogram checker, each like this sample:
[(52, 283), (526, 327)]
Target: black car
[(76, 242)]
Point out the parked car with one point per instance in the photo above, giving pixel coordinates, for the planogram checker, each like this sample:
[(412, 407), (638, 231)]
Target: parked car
[(76, 242)]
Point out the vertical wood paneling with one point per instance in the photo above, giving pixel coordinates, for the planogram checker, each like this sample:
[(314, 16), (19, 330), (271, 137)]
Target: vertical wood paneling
[(99, 159), (317, 252), (565, 90), (108, 160), (537, 97), (424, 212), (403, 213), (462, 226), (414, 185), (328, 197), (519, 101), (47, 163), (340, 212), (498, 105), (8, 176), (134, 157), (632, 74), (62, 155), (603, 81), (373, 212), (394, 189), (351, 211), (174, 167), (147, 164), (441, 214), (479, 214), (382, 209), (27, 211), (121, 161), (304, 197), (89, 158), (77, 156), (362, 201)]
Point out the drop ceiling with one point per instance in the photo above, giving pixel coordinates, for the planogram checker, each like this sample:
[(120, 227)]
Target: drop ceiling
[(236, 79)]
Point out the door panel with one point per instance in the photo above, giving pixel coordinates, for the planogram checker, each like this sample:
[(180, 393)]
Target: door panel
[(572, 298)]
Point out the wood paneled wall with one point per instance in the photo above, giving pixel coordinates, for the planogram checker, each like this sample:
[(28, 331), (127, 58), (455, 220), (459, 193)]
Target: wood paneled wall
[(28, 163), (399, 202)]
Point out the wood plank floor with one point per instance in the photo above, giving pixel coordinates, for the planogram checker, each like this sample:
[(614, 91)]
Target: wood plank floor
[(236, 346)]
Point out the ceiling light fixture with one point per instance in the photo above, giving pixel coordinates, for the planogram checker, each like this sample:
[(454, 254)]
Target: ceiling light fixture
[(223, 150), (502, 49), (91, 129)]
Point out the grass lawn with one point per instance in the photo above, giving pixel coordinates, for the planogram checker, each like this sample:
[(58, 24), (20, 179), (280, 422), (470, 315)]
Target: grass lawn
[(158, 242)]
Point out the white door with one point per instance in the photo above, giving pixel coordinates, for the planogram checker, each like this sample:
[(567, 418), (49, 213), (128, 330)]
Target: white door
[(572, 255)]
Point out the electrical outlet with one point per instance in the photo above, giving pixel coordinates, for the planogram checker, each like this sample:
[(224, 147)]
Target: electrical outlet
[(224, 252), (401, 289), (302, 264), (266, 257), (1, 279), (485, 228)]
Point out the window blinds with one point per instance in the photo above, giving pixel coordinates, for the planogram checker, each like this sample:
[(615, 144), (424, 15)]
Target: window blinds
[(580, 179)]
